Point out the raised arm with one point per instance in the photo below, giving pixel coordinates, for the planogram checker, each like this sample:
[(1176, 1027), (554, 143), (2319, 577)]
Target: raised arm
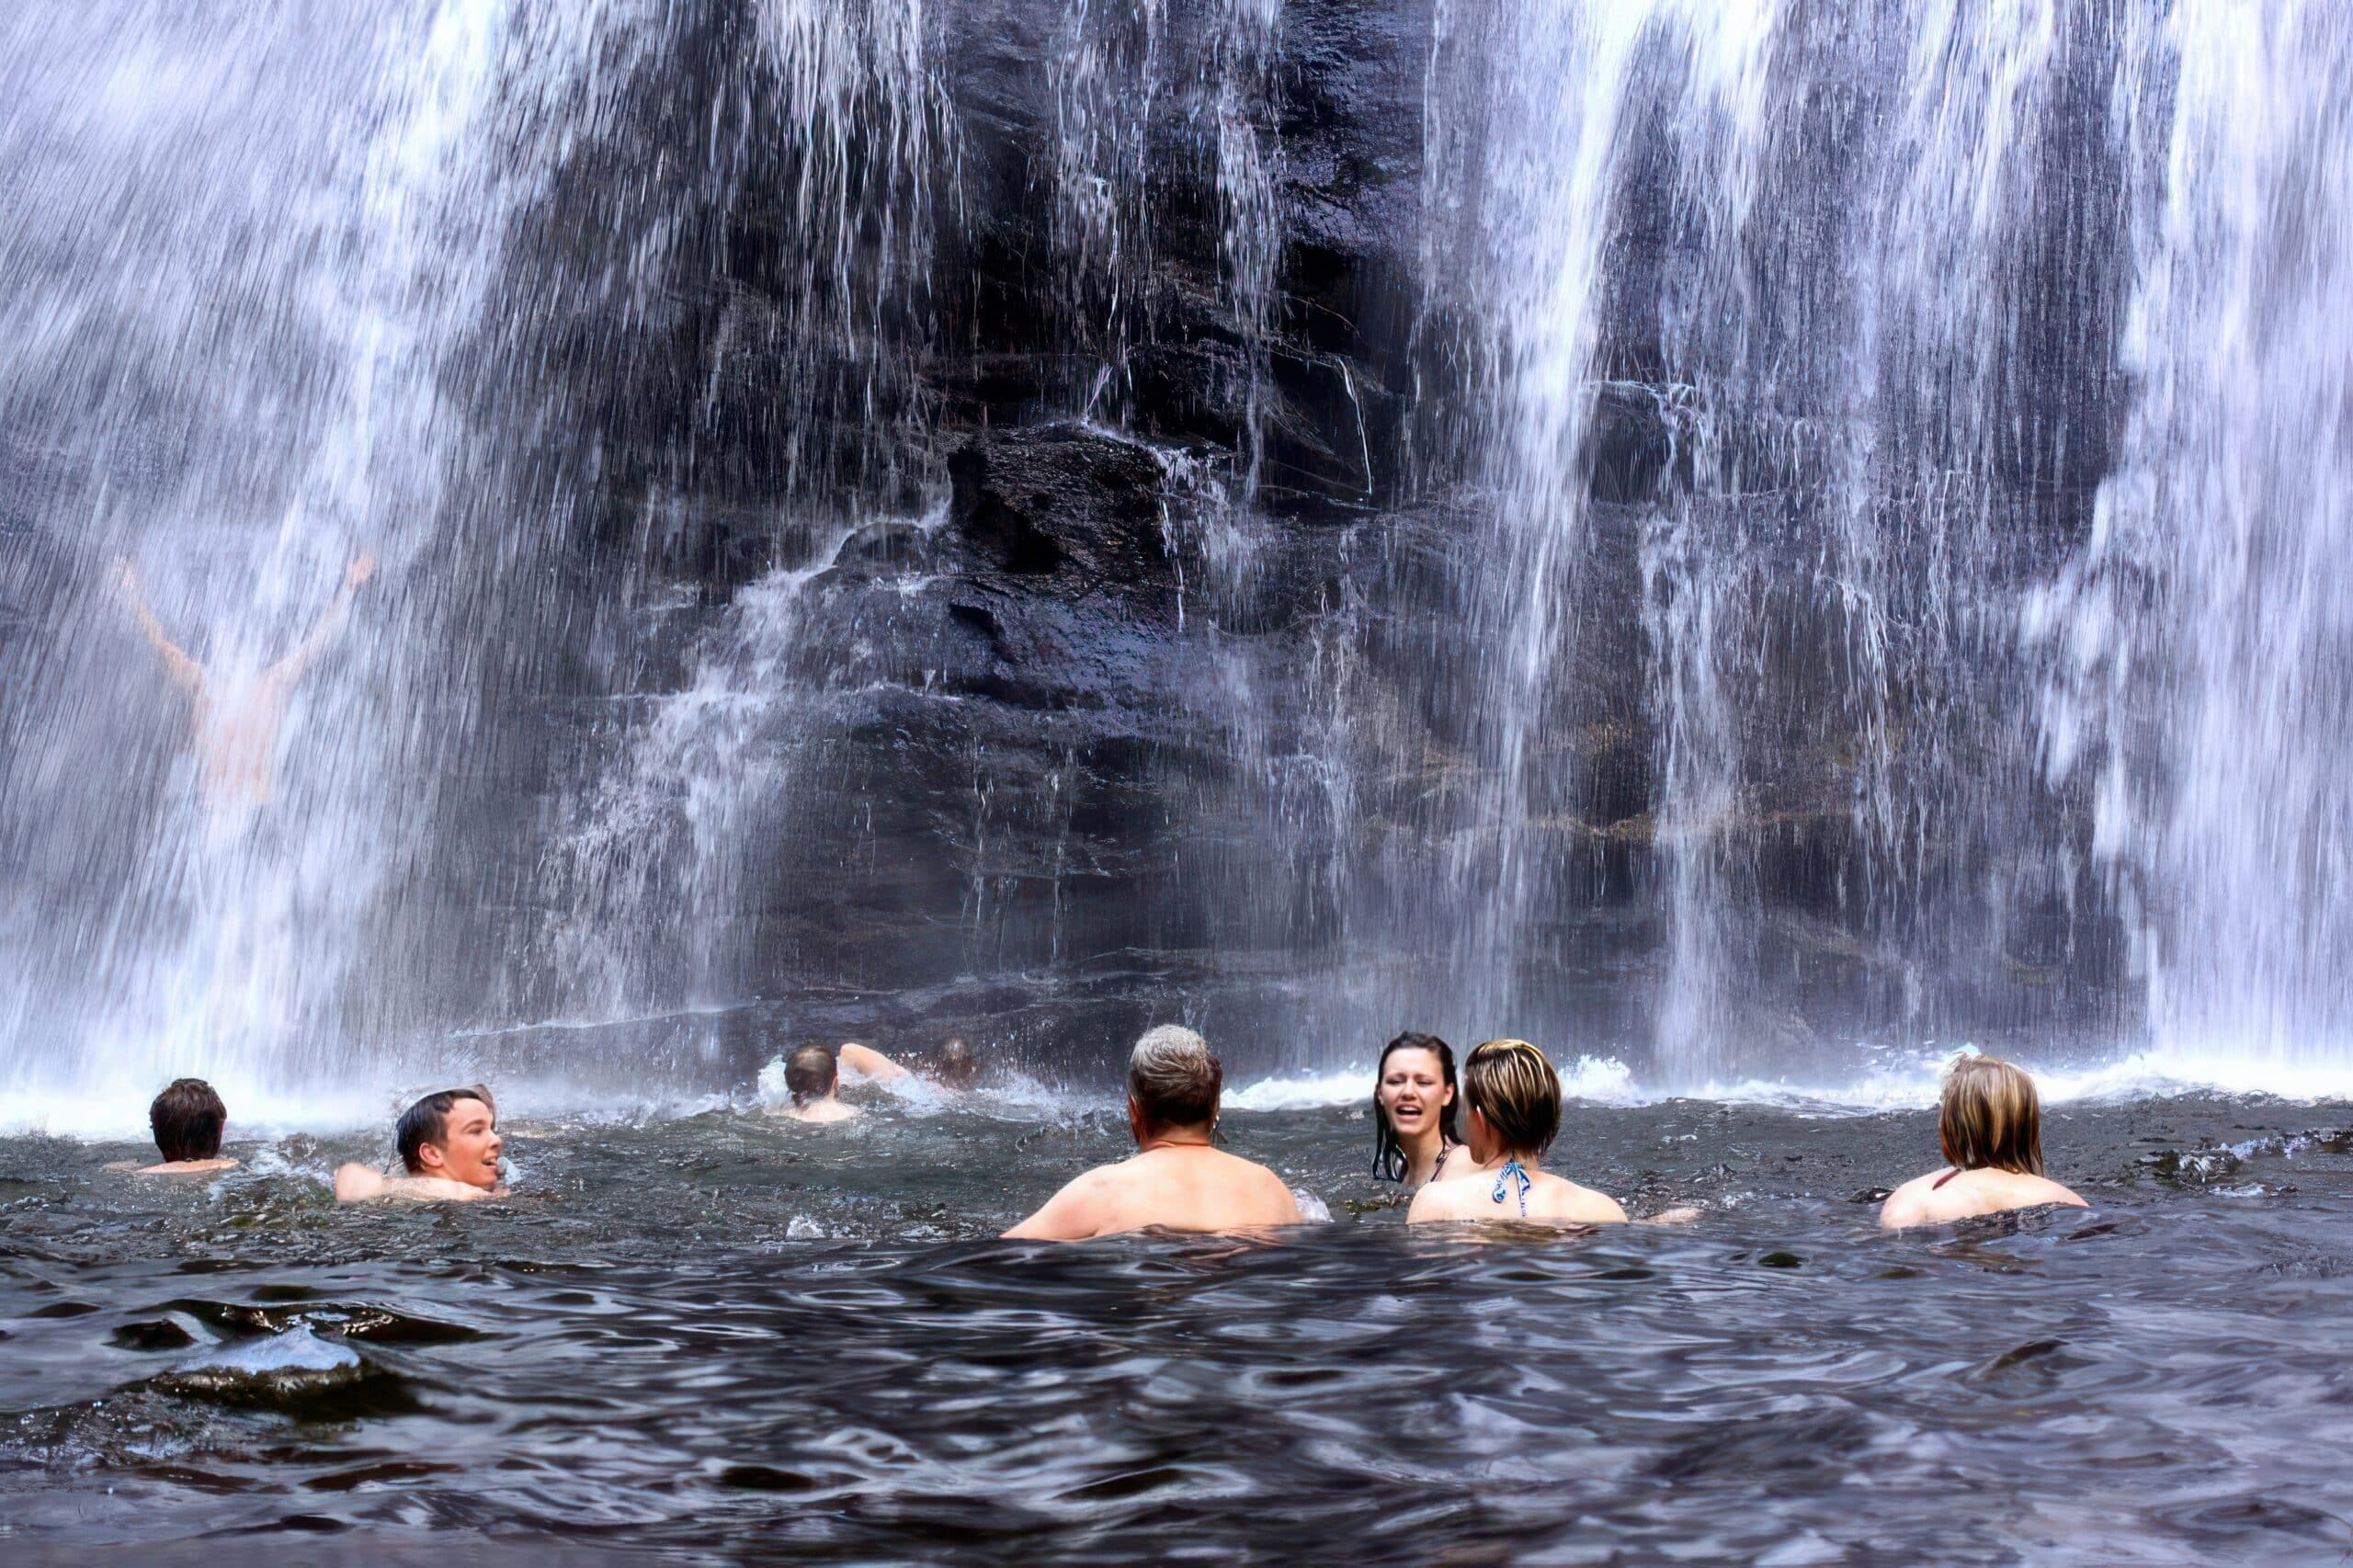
[(329, 625), (185, 673), (868, 1063)]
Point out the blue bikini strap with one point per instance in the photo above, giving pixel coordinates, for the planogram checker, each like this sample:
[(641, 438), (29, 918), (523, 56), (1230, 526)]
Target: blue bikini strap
[(1513, 1170)]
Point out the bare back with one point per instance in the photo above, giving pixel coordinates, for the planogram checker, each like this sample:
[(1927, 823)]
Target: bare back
[(1177, 1186), (1946, 1195), (1549, 1197)]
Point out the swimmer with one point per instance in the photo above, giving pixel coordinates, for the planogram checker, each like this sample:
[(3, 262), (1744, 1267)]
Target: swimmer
[(187, 1120), (1990, 1128), (237, 722), (1514, 1095), (449, 1143), (1415, 1133), (811, 1076), (955, 1065), (1176, 1179)]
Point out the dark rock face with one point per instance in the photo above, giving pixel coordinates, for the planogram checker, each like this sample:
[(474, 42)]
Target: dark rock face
[(1098, 740)]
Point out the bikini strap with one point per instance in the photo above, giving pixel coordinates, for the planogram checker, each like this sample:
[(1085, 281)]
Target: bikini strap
[(1513, 1170), (1945, 1177)]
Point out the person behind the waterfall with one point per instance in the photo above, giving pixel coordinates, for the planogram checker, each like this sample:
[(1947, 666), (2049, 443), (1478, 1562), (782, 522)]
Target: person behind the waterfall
[(1177, 1179), (448, 1145), (1990, 1128), (237, 722), (1513, 1099)]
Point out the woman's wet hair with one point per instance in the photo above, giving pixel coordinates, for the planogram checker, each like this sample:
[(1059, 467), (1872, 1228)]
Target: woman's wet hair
[(1991, 1118), (1516, 1088), (1175, 1078), (811, 1073), (428, 1121), (1389, 1161), (187, 1120)]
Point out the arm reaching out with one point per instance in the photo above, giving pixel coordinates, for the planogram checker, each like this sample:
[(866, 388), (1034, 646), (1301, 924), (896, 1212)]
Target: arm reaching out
[(185, 673), (868, 1063), (330, 624)]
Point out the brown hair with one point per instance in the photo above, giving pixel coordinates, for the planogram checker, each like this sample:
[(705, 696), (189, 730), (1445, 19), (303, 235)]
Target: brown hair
[(811, 1073), (1175, 1078), (1991, 1118), (428, 1121), (187, 1120), (1515, 1087)]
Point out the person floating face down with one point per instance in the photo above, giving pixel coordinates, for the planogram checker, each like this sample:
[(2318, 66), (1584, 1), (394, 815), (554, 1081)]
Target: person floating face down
[(448, 1145), (1177, 1179), (1990, 1126), (237, 723), (187, 1119), (1514, 1096)]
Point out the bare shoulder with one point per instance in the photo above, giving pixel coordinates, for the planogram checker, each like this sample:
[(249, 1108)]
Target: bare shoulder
[(2032, 1191), (1908, 1204), (356, 1182), (1074, 1212), (1569, 1201), (1275, 1193), (1447, 1199)]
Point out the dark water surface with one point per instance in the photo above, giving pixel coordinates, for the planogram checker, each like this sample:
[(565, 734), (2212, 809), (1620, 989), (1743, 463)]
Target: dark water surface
[(725, 1338)]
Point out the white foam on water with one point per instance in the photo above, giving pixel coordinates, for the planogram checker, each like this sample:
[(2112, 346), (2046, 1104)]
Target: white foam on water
[(296, 1350)]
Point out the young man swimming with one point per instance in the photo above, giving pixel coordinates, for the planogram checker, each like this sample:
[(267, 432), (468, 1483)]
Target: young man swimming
[(1177, 1179), (449, 1145), (187, 1119)]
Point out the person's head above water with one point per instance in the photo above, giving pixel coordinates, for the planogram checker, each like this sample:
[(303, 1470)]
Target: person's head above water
[(1413, 1096), (1515, 1099), (811, 1075), (1991, 1118), (955, 1064), (452, 1134), (187, 1120), (1174, 1081)]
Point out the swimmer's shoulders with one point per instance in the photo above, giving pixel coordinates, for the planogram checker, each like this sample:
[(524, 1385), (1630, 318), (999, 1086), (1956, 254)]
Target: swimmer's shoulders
[(1567, 1200), (1451, 1199)]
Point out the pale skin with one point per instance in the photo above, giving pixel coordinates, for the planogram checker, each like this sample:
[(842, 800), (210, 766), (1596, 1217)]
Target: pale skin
[(463, 1168), (1177, 1180), (1471, 1194), (867, 1062), (1415, 1093), (1921, 1202), (173, 1167), (237, 729)]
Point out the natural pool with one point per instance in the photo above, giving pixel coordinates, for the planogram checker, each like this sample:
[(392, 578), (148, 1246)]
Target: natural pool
[(725, 1338)]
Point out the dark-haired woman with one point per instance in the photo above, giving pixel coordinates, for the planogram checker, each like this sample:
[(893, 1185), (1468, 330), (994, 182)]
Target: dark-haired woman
[(1413, 1127), (1514, 1098), (1990, 1126)]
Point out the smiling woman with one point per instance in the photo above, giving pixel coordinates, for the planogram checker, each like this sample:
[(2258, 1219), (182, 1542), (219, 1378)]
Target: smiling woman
[(1413, 1127)]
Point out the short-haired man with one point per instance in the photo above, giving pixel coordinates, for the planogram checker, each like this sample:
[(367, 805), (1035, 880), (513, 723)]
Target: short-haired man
[(1178, 1179), (449, 1143), (187, 1119)]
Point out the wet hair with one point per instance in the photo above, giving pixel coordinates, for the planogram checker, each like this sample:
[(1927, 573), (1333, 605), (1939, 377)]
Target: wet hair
[(811, 1073), (1991, 1118), (428, 1121), (1516, 1088), (187, 1120), (1175, 1078), (1389, 1161), (956, 1064)]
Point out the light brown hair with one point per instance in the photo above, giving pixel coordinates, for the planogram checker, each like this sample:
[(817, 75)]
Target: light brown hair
[(811, 1073), (1991, 1118), (1515, 1087)]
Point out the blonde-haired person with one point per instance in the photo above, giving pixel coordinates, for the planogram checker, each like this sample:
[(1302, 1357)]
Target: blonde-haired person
[(1990, 1127), (1513, 1097)]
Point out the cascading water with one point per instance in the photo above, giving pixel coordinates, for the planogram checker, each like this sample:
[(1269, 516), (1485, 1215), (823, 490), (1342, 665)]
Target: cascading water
[(2201, 642), (245, 257)]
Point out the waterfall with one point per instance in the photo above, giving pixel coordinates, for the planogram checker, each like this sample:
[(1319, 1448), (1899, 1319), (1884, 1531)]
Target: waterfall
[(247, 256), (2201, 644)]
